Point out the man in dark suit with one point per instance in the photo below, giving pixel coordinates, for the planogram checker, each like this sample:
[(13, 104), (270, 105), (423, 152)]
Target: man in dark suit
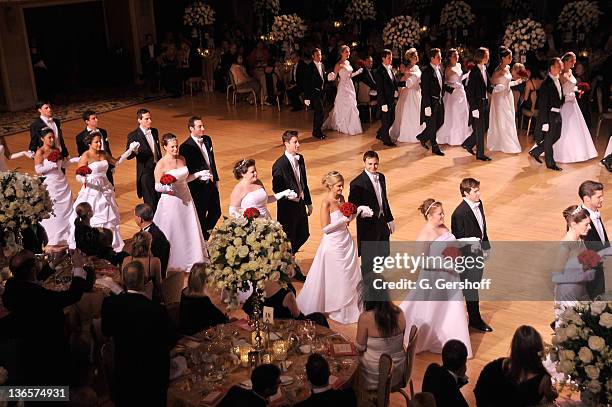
[(46, 119), (314, 92), (468, 220), (322, 395), (550, 100), (477, 90), (596, 239), (370, 189), (37, 319), (289, 172), (200, 159), (149, 54), (445, 381), (160, 247), (432, 102), (296, 81), (386, 92), (147, 156), (143, 334), (91, 125), (265, 380)]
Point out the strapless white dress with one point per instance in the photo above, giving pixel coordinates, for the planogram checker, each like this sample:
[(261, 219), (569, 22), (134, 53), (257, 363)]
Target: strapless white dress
[(176, 216), (257, 199), (407, 124), (456, 126), (502, 135), (58, 225)]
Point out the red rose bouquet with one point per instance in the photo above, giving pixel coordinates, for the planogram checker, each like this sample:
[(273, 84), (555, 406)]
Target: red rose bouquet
[(83, 170), (251, 213), (452, 252), (523, 74), (54, 156), (348, 209), (469, 66), (167, 179), (589, 259), (584, 87)]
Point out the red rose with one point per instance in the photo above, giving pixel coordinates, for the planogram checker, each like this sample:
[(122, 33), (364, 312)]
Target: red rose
[(54, 156), (523, 73), (452, 252), (167, 179), (589, 259), (348, 209), (469, 66), (584, 87), (251, 213), (83, 170)]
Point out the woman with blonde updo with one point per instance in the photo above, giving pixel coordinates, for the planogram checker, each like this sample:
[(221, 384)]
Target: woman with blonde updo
[(439, 313), (407, 124), (332, 283)]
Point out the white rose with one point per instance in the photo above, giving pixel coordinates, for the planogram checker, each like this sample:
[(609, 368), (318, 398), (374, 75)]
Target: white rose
[(592, 371), (571, 331), (597, 343), (594, 386), (585, 355), (567, 355), (598, 307), (565, 366), (605, 320)]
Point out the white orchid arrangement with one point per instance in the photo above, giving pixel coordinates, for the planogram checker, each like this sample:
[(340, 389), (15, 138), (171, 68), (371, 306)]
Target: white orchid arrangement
[(581, 347), (287, 27), (402, 31), (199, 14), (267, 6), (524, 35), (360, 10), (456, 14), (248, 250), (582, 15)]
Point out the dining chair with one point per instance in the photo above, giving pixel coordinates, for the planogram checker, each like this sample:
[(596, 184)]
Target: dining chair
[(408, 364), (171, 287)]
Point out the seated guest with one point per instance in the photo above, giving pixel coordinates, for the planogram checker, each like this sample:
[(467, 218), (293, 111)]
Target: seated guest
[(241, 78), (160, 247), (85, 236), (197, 312), (284, 304), (141, 251), (105, 247), (265, 380), (37, 320), (317, 371), (34, 238), (143, 335), (445, 381), (519, 380)]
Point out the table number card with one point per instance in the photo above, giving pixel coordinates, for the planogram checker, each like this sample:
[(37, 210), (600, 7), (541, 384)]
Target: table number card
[(268, 315), (344, 349)]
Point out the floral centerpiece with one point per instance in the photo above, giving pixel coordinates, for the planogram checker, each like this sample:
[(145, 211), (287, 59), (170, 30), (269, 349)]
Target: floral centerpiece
[(288, 27), (360, 10), (198, 14), (402, 31), (24, 201), (524, 35), (456, 14), (580, 15), (581, 347)]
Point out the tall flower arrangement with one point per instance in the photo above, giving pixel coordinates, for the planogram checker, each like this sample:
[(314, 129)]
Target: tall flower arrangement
[(580, 15), (456, 14), (287, 27), (524, 35), (402, 31), (198, 14), (360, 10), (582, 348)]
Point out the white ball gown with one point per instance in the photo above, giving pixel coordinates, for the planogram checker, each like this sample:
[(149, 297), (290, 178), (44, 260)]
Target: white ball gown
[(439, 314), (502, 135), (257, 199), (344, 117), (575, 144), (176, 216), (100, 194), (332, 283), (407, 124), (58, 225), (456, 126)]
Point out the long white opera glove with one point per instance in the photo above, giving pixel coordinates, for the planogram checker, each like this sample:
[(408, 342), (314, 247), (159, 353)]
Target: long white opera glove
[(235, 212), (391, 226), (465, 76), (337, 225), (331, 76), (204, 175), (81, 179), (357, 72), (516, 82), (29, 154), (73, 160), (164, 189), (45, 167), (365, 211), (134, 145), (287, 193)]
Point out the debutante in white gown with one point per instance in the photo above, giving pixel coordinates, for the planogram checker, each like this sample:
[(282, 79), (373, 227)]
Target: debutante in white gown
[(332, 283), (456, 126), (502, 135), (575, 144), (439, 314), (58, 225), (344, 117), (257, 199), (100, 194), (407, 124), (176, 216)]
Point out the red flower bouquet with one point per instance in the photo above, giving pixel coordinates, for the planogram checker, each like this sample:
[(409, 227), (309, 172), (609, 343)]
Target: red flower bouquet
[(167, 179), (589, 259), (584, 87), (469, 66), (452, 252), (83, 170), (54, 156), (523, 74), (348, 209), (251, 213)]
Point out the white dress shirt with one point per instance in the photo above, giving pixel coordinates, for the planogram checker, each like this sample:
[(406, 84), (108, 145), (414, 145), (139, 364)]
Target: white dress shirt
[(151, 142), (557, 84), (51, 124), (436, 69), (375, 179), (319, 66), (596, 219), (477, 213), (200, 142), (295, 166), (485, 78)]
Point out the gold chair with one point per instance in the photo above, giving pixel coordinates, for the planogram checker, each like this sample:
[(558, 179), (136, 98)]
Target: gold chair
[(237, 90), (532, 112), (408, 364)]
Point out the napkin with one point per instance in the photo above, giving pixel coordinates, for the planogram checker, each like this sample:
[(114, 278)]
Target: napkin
[(178, 367)]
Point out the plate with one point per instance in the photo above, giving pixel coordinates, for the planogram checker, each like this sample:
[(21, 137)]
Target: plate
[(286, 380), (246, 384)]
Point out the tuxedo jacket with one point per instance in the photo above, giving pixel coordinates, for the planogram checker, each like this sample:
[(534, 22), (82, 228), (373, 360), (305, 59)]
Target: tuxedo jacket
[(476, 92), (314, 84), (548, 99), (82, 147), (237, 396), (145, 160), (441, 383), (431, 91), (368, 77), (160, 246), (592, 241), (35, 142), (386, 87), (330, 398), (300, 75), (465, 224), (190, 150)]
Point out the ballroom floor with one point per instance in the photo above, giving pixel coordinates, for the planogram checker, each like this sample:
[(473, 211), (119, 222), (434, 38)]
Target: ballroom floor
[(523, 200)]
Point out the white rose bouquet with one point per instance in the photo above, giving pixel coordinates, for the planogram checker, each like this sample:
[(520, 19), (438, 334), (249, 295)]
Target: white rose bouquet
[(580, 15), (360, 10), (456, 14), (248, 250), (199, 14), (402, 31), (267, 6), (581, 347), (288, 27), (524, 35)]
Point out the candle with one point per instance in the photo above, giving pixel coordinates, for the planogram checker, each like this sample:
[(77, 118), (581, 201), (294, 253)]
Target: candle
[(264, 338), (266, 358), (279, 350), (243, 354)]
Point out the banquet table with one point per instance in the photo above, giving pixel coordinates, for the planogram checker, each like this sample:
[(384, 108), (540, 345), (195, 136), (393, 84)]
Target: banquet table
[(201, 384)]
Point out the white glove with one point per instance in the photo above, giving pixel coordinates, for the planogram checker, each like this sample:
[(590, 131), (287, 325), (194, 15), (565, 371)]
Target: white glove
[(29, 154), (428, 111), (74, 160), (476, 114), (384, 108), (45, 167), (357, 72), (126, 154), (164, 189), (235, 212), (307, 102), (287, 193), (545, 127), (365, 211), (204, 175), (337, 225), (331, 76), (499, 88), (391, 226), (373, 92), (81, 179)]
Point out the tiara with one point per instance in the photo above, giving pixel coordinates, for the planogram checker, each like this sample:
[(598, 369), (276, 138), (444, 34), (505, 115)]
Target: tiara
[(243, 162), (578, 209), (429, 207)]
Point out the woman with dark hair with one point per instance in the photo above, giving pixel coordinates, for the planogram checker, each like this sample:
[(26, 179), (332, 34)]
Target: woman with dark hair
[(518, 380), (455, 128)]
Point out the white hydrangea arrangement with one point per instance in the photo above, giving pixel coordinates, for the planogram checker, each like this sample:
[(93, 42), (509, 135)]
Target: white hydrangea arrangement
[(287, 27), (198, 14), (580, 15), (402, 31), (456, 14), (360, 10), (524, 35)]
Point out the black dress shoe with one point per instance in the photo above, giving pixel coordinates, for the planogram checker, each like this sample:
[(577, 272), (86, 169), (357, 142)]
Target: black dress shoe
[(534, 156), (607, 165), (554, 167), (378, 137), (424, 144), (390, 144), (480, 326), (319, 136), (437, 151), (468, 149), (483, 158)]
